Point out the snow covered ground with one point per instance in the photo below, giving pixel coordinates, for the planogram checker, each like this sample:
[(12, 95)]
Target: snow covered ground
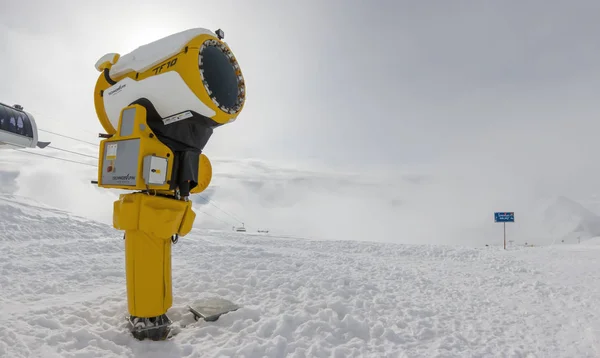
[(62, 294)]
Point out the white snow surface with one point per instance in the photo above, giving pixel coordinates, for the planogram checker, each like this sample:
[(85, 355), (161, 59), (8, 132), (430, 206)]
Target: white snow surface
[(62, 294), (153, 53)]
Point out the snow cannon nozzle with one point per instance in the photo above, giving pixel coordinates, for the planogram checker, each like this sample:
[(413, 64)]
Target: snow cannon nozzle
[(221, 76)]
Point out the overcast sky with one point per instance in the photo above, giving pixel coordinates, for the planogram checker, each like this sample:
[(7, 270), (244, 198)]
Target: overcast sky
[(498, 101)]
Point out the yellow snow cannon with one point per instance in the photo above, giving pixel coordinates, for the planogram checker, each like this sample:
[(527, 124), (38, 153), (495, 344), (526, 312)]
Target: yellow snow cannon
[(159, 105)]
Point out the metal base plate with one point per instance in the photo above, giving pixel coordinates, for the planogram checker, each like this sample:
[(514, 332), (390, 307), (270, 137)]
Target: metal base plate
[(210, 309)]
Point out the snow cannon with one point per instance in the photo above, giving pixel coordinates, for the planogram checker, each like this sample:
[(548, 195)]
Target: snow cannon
[(159, 106), (184, 86)]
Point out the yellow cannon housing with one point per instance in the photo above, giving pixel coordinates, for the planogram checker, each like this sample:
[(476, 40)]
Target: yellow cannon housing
[(159, 105)]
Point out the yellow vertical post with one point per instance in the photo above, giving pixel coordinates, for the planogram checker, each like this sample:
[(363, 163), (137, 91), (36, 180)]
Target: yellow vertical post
[(148, 271), (149, 223)]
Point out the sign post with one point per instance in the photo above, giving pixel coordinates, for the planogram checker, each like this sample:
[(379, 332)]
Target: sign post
[(504, 217)]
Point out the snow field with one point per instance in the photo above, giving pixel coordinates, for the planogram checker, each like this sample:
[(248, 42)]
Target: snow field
[(62, 294)]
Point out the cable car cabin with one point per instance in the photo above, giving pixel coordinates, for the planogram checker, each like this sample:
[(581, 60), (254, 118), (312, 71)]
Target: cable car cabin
[(18, 129), (239, 228)]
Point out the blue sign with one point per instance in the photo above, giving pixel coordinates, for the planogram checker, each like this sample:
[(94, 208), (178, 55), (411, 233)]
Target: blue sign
[(504, 217)]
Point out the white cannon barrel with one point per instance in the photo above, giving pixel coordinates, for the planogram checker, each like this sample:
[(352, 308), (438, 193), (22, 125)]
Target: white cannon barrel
[(191, 75)]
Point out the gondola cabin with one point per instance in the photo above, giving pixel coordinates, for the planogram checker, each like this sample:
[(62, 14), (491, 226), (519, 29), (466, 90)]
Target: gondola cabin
[(240, 228), (18, 129)]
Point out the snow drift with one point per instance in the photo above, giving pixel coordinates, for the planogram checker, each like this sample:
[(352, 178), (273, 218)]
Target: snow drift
[(62, 294)]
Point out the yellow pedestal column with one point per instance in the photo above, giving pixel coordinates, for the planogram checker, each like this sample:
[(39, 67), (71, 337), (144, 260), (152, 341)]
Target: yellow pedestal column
[(149, 223)]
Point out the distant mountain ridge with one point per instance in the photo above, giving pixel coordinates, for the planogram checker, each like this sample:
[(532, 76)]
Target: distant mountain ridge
[(568, 220)]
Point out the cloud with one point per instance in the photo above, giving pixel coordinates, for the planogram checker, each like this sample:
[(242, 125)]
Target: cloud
[(406, 208), (416, 121), (435, 207), (56, 183)]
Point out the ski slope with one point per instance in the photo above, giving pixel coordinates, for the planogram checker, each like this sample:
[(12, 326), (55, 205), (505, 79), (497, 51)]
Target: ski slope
[(62, 294)]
